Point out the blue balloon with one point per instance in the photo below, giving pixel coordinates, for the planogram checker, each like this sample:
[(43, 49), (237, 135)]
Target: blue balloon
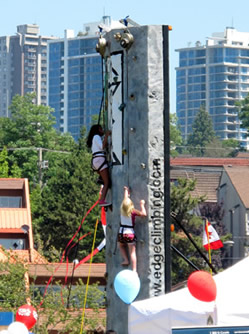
[(127, 285)]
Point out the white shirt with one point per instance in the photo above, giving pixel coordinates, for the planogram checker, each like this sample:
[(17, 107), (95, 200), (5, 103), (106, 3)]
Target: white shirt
[(97, 144)]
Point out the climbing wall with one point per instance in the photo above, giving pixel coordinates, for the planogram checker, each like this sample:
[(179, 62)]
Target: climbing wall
[(137, 96)]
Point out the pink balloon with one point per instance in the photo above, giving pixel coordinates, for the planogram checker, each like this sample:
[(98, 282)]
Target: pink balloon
[(202, 286), (27, 315)]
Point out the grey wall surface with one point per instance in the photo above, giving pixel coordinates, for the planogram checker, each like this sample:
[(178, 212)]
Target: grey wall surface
[(142, 165)]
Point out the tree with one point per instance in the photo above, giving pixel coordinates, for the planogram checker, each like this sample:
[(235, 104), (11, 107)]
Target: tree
[(202, 134), (61, 194), (175, 135), (186, 209), (5, 170), (214, 212), (243, 108), (182, 205), (29, 128), (14, 292), (69, 192)]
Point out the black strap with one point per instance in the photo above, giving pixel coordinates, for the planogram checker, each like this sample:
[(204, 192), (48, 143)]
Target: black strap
[(104, 162), (129, 226), (99, 154)]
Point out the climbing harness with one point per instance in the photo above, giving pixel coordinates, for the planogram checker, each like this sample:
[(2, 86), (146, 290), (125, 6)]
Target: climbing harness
[(99, 154)]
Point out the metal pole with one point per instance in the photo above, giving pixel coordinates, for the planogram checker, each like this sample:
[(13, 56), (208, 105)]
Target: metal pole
[(166, 135), (40, 165)]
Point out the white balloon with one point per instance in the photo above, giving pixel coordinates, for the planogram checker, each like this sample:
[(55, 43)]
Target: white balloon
[(17, 328)]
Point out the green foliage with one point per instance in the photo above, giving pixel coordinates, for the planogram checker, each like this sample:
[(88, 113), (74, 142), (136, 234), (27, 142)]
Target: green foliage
[(5, 170), (184, 206), (4, 165), (66, 312), (62, 193), (175, 135), (243, 108), (13, 292), (29, 128), (203, 133), (63, 307), (181, 201), (221, 149), (69, 192)]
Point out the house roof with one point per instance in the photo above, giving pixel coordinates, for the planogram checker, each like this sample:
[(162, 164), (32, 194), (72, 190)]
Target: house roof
[(100, 314), (24, 256), (206, 183), (215, 162), (14, 218), (12, 183), (61, 270), (17, 220), (239, 176)]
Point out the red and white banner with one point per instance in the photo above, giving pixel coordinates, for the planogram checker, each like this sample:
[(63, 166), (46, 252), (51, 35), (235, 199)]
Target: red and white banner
[(211, 239)]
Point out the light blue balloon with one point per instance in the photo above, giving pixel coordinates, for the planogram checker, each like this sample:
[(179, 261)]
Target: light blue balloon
[(127, 285)]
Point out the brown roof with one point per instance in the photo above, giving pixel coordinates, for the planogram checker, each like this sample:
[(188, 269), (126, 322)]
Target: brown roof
[(14, 218), (239, 177), (60, 270), (100, 314), (24, 256), (244, 155), (215, 162), (206, 183), (12, 183)]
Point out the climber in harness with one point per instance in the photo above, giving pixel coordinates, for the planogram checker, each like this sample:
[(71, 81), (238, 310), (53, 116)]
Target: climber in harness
[(126, 234), (99, 161)]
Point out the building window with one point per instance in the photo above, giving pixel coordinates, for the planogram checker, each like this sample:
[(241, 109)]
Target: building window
[(247, 223), (13, 243), (10, 202)]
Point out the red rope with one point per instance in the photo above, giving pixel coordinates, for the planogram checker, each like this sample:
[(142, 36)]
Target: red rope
[(63, 255)]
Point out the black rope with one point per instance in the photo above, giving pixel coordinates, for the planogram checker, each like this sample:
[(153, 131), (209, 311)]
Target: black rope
[(184, 257), (71, 282), (103, 91), (173, 215)]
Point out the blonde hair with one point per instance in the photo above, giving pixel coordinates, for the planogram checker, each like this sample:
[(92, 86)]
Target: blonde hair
[(127, 207)]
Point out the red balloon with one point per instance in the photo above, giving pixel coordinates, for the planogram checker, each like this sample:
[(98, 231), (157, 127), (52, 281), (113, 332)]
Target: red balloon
[(202, 286), (27, 315)]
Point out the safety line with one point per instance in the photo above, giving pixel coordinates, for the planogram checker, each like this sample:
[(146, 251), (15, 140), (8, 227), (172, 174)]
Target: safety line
[(63, 255), (88, 278)]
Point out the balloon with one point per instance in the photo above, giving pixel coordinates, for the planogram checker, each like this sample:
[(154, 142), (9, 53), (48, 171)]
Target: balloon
[(17, 328), (127, 285), (202, 286), (27, 315)]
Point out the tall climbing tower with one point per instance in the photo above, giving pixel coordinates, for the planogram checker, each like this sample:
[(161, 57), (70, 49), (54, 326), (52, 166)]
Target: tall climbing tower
[(136, 99)]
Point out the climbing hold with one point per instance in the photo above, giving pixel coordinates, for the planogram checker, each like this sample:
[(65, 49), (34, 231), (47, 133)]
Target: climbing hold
[(143, 166)]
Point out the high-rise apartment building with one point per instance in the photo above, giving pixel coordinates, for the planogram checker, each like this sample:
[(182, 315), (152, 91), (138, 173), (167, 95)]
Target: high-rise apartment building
[(23, 66), (215, 75), (75, 77)]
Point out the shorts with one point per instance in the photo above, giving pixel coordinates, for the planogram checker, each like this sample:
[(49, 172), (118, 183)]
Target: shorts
[(126, 235), (97, 162)]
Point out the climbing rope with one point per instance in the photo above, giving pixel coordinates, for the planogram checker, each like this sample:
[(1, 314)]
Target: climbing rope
[(88, 278), (66, 250)]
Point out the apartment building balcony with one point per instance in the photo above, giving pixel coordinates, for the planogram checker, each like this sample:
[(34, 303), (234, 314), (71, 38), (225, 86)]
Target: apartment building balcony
[(31, 86)]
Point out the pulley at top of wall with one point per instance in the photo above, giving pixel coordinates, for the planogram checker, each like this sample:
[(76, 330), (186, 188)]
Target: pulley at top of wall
[(125, 39), (101, 45)]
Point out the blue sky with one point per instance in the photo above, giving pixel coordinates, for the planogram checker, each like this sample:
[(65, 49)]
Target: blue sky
[(192, 20)]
